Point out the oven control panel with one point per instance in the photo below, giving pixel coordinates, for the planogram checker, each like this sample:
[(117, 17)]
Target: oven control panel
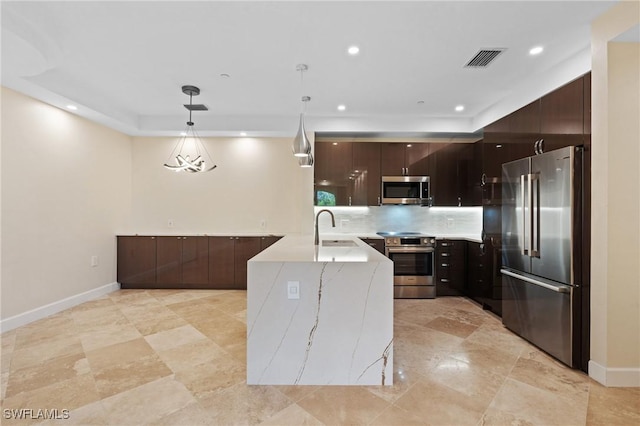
[(409, 241)]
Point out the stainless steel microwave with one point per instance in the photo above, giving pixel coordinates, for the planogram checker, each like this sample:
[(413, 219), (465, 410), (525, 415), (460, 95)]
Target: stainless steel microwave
[(405, 190)]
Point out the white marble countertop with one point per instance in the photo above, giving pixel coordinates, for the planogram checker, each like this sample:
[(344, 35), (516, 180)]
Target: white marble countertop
[(300, 248)]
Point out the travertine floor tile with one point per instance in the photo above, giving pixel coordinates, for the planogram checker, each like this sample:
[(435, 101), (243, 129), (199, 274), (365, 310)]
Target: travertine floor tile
[(169, 339), (395, 416), (186, 356), (343, 405), (43, 374), (147, 403), (293, 415), (244, 405), (210, 377), (65, 394), (613, 406), (437, 404), (177, 357), (452, 326), (530, 404), (123, 377)]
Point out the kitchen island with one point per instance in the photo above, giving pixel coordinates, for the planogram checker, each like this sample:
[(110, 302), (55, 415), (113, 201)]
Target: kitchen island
[(320, 315)]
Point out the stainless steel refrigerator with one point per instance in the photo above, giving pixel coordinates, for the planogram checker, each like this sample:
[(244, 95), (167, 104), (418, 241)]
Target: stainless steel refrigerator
[(542, 251)]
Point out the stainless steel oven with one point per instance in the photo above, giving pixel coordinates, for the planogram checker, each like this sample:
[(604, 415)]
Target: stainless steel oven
[(413, 259)]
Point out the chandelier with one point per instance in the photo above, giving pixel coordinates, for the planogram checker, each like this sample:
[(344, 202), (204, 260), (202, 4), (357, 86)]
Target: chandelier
[(190, 153)]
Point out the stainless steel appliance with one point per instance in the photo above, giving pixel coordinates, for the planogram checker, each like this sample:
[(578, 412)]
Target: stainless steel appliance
[(541, 251), (413, 259), (405, 190)]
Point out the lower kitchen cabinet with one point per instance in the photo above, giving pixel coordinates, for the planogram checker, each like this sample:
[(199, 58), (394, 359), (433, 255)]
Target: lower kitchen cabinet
[(376, 243), (182, 262), (228, 258), (196, 262), (450, 268), (137, 261), (483, 276)]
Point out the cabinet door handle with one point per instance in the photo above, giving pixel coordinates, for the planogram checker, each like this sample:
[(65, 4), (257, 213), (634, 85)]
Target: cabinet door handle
[(483, 179), (444, 280), (378, 200), (349, 200), (445, 254), (445, 265)]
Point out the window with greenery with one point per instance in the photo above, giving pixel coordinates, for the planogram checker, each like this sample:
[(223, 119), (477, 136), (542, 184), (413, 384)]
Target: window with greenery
[(325, 198)]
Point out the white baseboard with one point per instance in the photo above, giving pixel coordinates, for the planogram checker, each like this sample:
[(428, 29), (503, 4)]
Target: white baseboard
[(55, 307), (614, 377)]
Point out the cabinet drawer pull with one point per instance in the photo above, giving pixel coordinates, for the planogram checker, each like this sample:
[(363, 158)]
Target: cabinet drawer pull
[(445, 265), (444, 280), (445, 254)]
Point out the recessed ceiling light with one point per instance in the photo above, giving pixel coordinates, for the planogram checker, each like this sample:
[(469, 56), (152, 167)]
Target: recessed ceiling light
[(460, 108), (536, 50), (341, 107), (72, 107), (353, 50), (243, 133)]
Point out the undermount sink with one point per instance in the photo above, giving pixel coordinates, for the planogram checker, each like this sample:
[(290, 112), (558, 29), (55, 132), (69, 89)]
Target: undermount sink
[(339, 243)]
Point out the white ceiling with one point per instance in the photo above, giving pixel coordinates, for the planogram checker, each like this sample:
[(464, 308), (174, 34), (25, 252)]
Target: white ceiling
[(123, 63)]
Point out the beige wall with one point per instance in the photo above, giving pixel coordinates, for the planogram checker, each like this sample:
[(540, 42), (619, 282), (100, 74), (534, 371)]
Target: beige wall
[(66, 188), (255, 180), (615, 270)]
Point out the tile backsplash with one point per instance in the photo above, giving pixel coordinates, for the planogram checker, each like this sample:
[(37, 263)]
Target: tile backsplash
[(438, 221)]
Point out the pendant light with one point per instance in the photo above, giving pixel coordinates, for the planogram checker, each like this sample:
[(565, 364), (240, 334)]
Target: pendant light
[(301, 145), (306, 161), (190, 153)]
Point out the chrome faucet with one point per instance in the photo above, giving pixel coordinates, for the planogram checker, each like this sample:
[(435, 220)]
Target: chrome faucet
[(333, 223)]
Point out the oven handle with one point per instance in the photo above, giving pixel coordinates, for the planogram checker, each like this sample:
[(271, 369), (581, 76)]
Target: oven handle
[(409, 250)]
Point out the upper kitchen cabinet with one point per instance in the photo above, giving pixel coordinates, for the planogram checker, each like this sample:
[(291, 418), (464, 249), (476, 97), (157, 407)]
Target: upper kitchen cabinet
[(366, 176), (405, 159), (455, 176), (332, 170), (562, 116)]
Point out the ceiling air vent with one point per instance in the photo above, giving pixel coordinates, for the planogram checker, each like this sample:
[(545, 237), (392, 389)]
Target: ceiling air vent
[(197, 107), (483, 58)]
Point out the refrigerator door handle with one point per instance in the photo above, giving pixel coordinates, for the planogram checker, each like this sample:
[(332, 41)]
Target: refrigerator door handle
[(557, 289), (534, 211), (524, 245)]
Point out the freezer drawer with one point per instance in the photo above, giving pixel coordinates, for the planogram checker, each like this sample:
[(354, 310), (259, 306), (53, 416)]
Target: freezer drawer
[(540, 311)]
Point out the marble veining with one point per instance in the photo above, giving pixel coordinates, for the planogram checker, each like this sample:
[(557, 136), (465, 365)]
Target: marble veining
[(314, 328), (341, 323)]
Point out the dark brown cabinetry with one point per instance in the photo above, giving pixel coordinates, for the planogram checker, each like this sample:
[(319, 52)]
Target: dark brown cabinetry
[(228, 258), (267, 241), (365, 179), (376, 243), (347, 174), (182, 262), (332, 170), (481, 271), (187, 262), (136, 262), (405, 159), (456, 174), (450, 267)]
